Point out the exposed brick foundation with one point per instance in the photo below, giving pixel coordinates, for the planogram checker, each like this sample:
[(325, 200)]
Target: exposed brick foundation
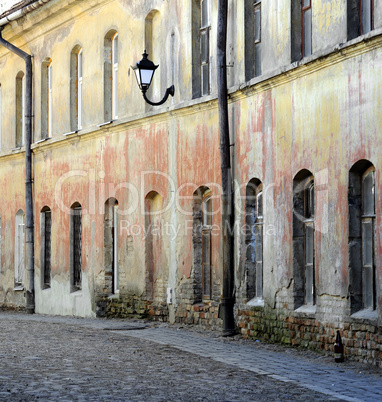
[(362, 341), (203, 314)]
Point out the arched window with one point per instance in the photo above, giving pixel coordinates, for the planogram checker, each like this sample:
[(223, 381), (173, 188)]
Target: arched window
[(153, 46), (303, 239), (46, 241), (362, 214), (202, 228), (19, 250), (111, 76), (76, 89), (111, 246), (254, 239), (153, 243), (20, 109), (75, 247), (46, 99)]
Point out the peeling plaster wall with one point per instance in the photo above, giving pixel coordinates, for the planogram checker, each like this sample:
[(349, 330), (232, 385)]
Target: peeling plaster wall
[(320, 114)]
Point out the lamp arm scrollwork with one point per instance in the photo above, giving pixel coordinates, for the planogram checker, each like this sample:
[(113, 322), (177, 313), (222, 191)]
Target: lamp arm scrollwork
[(169, 91)]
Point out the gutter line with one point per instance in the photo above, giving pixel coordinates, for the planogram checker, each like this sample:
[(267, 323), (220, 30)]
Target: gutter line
[(30, 302)]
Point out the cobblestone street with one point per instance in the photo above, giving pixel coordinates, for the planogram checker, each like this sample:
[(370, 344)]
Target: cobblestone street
[(64, 358)]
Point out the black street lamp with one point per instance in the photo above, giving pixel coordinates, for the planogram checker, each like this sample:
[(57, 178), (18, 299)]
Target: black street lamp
[(144, 72)]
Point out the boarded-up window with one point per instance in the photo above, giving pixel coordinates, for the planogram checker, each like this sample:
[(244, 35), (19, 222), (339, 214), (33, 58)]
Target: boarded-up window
[(153, 245), (111, 246), (76, 247), (202, 272), (46, 236)]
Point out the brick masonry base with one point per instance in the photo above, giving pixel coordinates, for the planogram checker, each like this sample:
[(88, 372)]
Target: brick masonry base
[(362, 341), (123, 306)]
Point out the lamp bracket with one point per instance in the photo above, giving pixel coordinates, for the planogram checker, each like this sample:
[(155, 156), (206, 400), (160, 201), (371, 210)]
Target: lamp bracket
[(169, 91)]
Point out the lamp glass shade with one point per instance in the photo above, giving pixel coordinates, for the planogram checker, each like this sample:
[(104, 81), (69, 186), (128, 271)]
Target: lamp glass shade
[(144, 72), (146, 77)]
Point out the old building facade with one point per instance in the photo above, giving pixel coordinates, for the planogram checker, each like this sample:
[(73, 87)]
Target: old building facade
[(126, 196)]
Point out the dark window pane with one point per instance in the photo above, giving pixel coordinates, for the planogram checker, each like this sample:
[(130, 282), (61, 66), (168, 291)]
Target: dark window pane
[(205, 79), (206, 249), (206, 262), (115, 49), (309, 201), (258, 59), (309, 285), (47, 247), (260, 205), (204, 13), (77, 256), (309, 264), (309, 244), (368, 286), (308, 32), (204, 46), (366, 16), (367, 242), (206, 280), (257, 35), (79, 67), (368, 194), (306, 3), (259, 242), (259, 279)]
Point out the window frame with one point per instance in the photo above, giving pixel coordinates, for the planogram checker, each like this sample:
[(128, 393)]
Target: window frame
[(79, 88), (46, 247), (370, 17), (309, 257), (115, 250), (206, 229), (304, 10), (205, 31), (257, 42), (75, 260), (114, 75), (1, 116), (50, 102), (20, 110), (368, 269), (19, 255)]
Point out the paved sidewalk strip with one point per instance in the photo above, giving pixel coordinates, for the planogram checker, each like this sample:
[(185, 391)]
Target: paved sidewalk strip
[(332, 381), (56, 353)]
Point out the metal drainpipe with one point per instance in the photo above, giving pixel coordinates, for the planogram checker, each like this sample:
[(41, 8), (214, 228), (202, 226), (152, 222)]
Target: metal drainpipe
[(228, 300), (28, 173)]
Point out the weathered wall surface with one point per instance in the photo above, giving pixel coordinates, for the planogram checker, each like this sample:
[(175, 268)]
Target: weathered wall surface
[(320, 114)]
